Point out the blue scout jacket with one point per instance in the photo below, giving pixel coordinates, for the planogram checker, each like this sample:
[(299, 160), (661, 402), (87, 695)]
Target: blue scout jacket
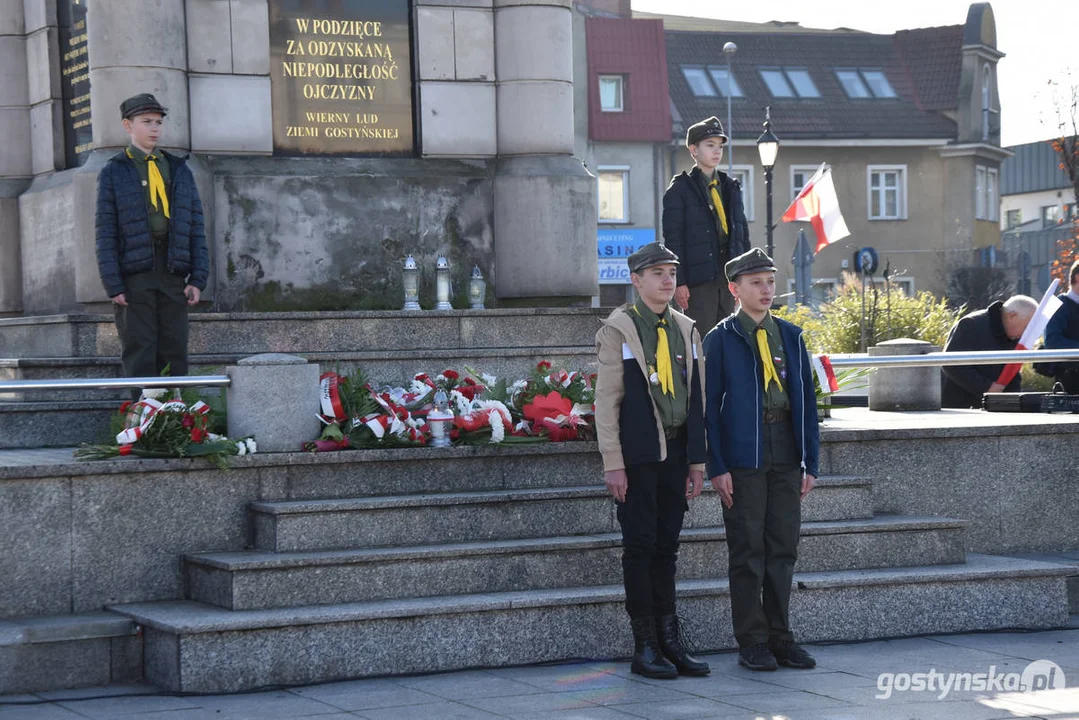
[(734, 402)]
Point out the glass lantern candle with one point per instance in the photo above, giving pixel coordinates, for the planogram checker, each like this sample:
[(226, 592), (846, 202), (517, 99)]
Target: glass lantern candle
[(410, 277), (477, 289), (442, 283)]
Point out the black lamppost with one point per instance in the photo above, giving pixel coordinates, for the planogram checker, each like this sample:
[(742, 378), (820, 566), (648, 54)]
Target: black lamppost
[(768, 147)]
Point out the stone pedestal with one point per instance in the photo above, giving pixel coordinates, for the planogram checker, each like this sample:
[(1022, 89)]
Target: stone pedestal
[(274, 397), (907, 388)]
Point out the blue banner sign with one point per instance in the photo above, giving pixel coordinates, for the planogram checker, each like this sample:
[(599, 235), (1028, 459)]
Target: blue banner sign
[(623, 242)]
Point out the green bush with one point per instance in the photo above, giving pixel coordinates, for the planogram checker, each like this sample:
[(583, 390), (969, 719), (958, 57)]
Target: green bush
[(889, 314)]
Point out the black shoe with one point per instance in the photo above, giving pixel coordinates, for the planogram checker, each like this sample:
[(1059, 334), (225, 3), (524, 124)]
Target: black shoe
[(757, 657), (674, 648), (648, 660), (792, 655)]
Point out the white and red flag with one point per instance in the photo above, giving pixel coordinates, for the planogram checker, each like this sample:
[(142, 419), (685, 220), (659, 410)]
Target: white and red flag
[(1035, 328), (817, 203)]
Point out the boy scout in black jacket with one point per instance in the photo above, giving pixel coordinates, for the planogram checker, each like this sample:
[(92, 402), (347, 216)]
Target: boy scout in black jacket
[(704, 223), (650, 426)]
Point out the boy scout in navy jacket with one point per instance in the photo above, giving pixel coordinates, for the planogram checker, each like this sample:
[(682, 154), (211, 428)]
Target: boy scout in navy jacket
[(650, 426), (763, 445), (151, 245)]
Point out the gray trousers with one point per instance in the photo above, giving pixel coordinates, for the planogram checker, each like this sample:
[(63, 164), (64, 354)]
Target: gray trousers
[(709, 303), (762, 539)]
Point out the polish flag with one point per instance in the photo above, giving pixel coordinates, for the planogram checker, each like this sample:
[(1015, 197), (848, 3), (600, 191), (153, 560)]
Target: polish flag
[(818, 204), (1035, 328)]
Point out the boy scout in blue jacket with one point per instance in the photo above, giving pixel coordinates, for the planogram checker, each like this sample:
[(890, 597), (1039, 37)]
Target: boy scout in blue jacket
[(763, 448), (650, 427), (151, 245)]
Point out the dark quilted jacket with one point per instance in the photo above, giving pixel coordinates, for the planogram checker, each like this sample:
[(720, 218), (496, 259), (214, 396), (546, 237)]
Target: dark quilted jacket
[(124, 243), (689, 227)]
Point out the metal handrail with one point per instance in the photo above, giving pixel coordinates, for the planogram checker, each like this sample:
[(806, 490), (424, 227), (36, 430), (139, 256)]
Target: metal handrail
[(981, 357), (184, 381), (992, 357)]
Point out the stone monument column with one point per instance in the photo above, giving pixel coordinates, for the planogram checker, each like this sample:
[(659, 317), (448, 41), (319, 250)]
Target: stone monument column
[(126, 58), (15, 160), (544, 198)]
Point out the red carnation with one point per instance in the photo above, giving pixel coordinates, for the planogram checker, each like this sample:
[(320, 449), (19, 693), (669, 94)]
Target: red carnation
[(470, 381), (125, 406), (197, 435), (125, 449), (543, 366), (188, 421), (450, 374), (422, 377)]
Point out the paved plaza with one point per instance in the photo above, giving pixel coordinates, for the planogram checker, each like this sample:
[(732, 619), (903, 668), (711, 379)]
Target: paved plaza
[(845, 686)]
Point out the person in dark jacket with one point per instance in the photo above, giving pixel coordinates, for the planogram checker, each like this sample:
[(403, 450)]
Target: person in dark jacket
[(1062, 333), (998, 327), (704, 223), (650, 427), (151, 245), (763, 450)]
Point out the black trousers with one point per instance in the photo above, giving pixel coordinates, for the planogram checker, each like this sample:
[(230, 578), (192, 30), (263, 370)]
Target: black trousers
[(153, 326), (762, 539), (651, 520)]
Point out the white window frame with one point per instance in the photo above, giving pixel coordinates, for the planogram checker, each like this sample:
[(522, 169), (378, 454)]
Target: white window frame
[(856, 76), (621, 92), (794, 86), (686, 69), (979, 193), (624, 170), (992, 194), (747, 187), (808, 170), (782, 77), (736, 89), (901, 199), (891, 94)]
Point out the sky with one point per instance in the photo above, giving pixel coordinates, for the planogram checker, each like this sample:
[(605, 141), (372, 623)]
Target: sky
[(1037, 37)]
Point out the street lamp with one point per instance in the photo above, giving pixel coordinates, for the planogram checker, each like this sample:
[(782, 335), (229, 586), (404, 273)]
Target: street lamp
[(729, 49), (768, 147)]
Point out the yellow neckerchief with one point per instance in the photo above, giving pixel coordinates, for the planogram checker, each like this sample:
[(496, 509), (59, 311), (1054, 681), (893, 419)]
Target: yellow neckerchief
[(157, 183), (663, 357), (713, 187), (766, 358)]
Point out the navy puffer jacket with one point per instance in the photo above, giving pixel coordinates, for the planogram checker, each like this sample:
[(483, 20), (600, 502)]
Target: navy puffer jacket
[(124, 243), (689, 227)]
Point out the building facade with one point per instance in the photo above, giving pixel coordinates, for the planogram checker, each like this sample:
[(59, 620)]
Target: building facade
[(909, 124)]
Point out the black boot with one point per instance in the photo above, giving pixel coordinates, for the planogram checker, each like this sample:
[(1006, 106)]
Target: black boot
[(648, 660), (670, 642)]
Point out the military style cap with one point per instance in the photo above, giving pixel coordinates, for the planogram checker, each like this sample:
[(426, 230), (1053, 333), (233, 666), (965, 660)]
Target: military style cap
[(753, 261), (651, 254), (140, 104), (711, 127)]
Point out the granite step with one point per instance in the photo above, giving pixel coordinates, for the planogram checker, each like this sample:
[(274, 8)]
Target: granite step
[(256, 580), (194, 647), (289, 526), (55, 652), (55, 424), (383, 366), (94, 335)]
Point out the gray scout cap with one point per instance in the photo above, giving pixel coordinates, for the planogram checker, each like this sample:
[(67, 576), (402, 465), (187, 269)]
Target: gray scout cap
[(754, 260), (140, 104), (711, 127), (651, 254)]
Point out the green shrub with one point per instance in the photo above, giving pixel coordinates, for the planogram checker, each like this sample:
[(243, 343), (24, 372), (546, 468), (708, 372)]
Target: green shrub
[(889, 314)]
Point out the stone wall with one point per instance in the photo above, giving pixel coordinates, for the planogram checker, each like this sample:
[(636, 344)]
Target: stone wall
[(322, 234)]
